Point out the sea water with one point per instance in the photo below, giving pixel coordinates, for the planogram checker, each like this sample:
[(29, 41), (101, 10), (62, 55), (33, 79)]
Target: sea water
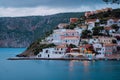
[(55, 70)]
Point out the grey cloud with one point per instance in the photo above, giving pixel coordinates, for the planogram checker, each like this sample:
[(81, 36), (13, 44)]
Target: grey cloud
[(49, 3)]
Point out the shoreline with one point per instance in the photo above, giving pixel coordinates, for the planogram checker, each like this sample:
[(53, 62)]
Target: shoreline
[(81, 59)]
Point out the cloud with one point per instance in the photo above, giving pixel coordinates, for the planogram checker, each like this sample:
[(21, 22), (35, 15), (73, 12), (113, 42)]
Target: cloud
[(48, 3), (47, 7), (6, 12)]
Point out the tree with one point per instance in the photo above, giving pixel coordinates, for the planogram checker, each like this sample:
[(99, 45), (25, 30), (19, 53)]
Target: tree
[(71, 26), (97, 30), (112, 1), (103, 21), (86, 34), (115, 26), (72, 46), (114, 41)]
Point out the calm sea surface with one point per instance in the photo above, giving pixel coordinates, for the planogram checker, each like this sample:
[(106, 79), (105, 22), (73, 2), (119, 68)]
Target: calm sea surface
[(55, 70)]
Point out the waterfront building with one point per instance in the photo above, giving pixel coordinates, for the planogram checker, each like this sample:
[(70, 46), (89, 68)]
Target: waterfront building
[(56, 52), (109, 49)]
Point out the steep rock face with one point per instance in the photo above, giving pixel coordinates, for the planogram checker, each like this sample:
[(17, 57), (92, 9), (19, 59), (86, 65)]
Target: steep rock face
[(21, 31)]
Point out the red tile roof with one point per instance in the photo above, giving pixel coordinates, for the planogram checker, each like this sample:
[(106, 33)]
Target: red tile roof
[(91, 20)]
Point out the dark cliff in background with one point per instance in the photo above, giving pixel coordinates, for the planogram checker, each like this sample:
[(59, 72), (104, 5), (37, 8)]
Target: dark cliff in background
[(21, 31)]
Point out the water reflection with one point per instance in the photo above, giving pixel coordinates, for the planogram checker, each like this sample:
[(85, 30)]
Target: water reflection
[(86, 66), (71, 65)]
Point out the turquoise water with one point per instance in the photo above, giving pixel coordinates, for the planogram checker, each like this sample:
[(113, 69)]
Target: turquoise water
[(55, 70)]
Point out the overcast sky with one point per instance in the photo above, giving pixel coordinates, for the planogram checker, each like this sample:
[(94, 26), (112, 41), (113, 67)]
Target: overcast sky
[(47, 7)]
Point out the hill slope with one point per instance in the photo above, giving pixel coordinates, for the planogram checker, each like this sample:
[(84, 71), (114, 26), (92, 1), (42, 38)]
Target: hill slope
[(36, 47), (21, 31)]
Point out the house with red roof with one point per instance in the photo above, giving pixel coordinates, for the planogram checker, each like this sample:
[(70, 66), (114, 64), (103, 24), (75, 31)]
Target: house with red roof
[(91, 23), (113, 21), (73, 20)]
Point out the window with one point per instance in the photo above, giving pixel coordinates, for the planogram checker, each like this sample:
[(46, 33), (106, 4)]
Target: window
[(66, 41), (72, 34), (111, 22), (46, 51)]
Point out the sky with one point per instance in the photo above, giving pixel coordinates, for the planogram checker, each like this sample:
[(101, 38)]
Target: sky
[(15, 8)]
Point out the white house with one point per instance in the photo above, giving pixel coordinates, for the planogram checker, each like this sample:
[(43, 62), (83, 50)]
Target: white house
[(113, 21), (67, 36), (108, 49), (57, 52), (92, 41), (71, 40), (109, 29), (91, 23), (100, 56), (62, 25), (98, 47)]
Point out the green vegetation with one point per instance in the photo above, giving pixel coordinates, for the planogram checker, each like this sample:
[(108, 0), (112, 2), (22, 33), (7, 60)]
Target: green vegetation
[(106, 15), (72, 46), (114, 26), (42, 46), (22, 31), (71, 26), (86, 34), (112, 1), (97, 31)]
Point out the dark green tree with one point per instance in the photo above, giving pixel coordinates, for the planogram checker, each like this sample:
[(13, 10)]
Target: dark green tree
[(112, 1), (115, 26), (86, 34), (72, 46), (97, 30)]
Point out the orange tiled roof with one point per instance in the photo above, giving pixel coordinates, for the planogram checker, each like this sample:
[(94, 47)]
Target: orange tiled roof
[(70, 37), (107, 28), (91, 20), (86, 46), (61, 46), (109, 45)]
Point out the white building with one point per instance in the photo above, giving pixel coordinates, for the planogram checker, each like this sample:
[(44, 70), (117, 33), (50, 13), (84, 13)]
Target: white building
[(106, 49), (67, 36), (91, 23), (92, 41), (113, 21), (57, 52), (62, 25), (98, 47), (71, 40)]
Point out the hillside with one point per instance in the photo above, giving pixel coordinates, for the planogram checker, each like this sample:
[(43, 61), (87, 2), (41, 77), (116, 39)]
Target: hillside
[(21, 31), (115, 13), (36, 46)]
